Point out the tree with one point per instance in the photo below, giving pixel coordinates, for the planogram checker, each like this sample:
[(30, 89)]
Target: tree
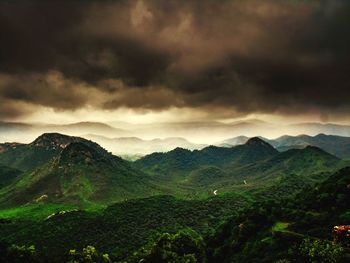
[(89, 254), (320, 251), (183, 247), (19, 254)]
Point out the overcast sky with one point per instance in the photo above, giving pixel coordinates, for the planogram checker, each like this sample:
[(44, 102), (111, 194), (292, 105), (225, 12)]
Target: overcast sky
[(174, 60)]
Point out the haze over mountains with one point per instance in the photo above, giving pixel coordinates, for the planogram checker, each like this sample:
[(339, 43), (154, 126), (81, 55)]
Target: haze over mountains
[(140, 139)]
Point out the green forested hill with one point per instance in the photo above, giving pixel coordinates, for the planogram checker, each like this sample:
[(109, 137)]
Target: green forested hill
[(308, 161), (254, 166), (286, 226), (122, 228), (79, 175), (28, 157), (183, 161)]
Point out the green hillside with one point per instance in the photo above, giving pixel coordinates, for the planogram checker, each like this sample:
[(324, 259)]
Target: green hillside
[(8, 175), (28, 157), (291, 228), (250, 168), (183, 161), (79, 175), (308, 161)]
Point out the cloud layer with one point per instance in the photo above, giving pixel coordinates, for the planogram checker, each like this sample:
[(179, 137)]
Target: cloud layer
[(243, 56)]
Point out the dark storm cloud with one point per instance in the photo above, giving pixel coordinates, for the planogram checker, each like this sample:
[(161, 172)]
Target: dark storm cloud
[(50, 89), (10, 109), (42, 36), (251, 56)]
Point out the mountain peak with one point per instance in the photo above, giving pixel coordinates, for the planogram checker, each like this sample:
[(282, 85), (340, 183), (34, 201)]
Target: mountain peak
[(257, 141), (54, 140)]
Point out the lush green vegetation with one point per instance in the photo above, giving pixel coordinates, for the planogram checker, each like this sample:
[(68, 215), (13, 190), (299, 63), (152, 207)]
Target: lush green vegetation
[(253, 167), (123, 227), (81, 175), (227, 229), (282, 229), (28, 157), (34, 211), (8, 175), (243, 204)]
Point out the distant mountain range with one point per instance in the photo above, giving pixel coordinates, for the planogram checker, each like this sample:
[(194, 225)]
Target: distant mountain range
[(211, 132), (135, 146), (336, 145), (197, 132), (129, 140)]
